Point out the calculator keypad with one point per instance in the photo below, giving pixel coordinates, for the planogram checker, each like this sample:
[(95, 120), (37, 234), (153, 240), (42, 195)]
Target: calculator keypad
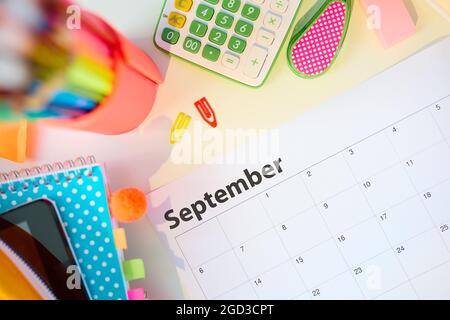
[(205, 12), (237, 45), (224, 20), (231, 5), (243, 28), (218, 36), (192, 45), (177, 20), (183, 5), (251, 12), (236, 38), (170, 36)]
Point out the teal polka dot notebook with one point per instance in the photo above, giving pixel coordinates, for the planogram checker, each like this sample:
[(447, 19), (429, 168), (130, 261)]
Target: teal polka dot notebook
[(78, 190)]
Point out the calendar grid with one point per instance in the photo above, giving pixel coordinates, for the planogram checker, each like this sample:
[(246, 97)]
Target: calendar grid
[(368, 219), (190, 267), (316, 203), (343, 272), (415, 277), (332, 237), (381, 227), (417, 191), (284, 246), (439, 127), (312, 248), (392, 165), (237, 258)]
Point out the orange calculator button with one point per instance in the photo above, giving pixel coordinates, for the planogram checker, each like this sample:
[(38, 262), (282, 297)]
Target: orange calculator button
[(177, 20), (183, 5)]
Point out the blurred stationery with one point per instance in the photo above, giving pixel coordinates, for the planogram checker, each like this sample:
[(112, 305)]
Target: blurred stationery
[(78, 190), (78, 79), (64, 73), (351, 204)]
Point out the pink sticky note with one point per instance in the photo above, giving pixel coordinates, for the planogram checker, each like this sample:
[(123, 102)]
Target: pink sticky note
[(396, 23), (136, 294)]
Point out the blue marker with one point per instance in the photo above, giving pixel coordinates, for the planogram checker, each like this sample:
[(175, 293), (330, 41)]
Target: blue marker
[(31, 115), (71, 100)]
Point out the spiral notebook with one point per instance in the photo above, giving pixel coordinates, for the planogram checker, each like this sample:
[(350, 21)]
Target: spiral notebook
[(78, 189)]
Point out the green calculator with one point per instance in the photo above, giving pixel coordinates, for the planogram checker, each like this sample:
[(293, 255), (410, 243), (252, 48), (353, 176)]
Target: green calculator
[(239, 39)]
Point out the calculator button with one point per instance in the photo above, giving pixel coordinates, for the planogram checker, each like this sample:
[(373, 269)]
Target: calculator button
[(212, 1), (265, 38), (243, 28), (250, 12), (272, 21), (230, 61), (183, 5), (255, 62), (177, 20), (237, 45), (231, 5), (217, 36), (198, 29), (205, 12), (211, 53), (224, 20), (279, 5), (170, 36), (192, 45)]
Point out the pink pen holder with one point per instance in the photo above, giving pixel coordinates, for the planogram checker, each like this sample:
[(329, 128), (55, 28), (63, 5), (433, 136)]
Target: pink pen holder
[(135, 87), (131, 100)]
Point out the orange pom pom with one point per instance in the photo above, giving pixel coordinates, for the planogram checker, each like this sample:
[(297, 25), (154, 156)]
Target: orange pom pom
[(128, 205)]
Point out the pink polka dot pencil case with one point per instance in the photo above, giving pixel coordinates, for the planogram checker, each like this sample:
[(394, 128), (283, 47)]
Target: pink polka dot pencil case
[(318, 38)]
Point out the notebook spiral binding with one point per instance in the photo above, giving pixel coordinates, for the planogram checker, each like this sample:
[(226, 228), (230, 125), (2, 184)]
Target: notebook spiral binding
[(59, 171)]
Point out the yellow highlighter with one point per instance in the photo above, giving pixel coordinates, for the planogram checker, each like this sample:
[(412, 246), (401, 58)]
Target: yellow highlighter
[(86, 75)]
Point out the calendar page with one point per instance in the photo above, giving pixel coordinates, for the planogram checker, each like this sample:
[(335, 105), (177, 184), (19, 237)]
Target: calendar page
[(355, 205)]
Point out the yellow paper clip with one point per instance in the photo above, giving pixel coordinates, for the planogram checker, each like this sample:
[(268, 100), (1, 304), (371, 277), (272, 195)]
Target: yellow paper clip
[(179, 127)]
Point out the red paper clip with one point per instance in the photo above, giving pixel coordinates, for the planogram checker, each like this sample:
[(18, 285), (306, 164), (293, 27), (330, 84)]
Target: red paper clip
[(206, 111)]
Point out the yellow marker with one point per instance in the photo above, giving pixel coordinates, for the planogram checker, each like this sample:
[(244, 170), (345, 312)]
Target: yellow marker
[(183, 5), (179, 127), (177, 20)]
